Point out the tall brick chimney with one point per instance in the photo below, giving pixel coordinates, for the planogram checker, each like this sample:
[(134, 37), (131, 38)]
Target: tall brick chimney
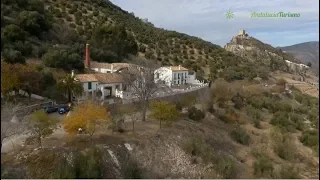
[(87, 60)]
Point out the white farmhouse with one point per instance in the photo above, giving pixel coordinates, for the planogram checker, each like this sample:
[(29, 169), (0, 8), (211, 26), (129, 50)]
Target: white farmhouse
[(103, 85), (175, 75)]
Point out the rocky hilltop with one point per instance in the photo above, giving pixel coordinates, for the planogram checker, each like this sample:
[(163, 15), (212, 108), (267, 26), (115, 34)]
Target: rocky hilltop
[(256, 51)]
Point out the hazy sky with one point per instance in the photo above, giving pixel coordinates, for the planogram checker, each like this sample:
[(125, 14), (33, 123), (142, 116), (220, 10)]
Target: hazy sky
[(207, 18)]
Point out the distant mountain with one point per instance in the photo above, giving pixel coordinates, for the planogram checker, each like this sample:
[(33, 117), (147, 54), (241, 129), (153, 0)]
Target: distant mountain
[(305, 52)]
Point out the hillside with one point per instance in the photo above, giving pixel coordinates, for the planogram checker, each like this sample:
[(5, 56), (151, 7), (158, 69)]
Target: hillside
[(56, 31), (305, 52), (258, 52), (250, 131)]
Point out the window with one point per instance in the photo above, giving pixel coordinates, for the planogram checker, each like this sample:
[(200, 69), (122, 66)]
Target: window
[(158, 75), (89, 85), (175, 76), (117, 87)]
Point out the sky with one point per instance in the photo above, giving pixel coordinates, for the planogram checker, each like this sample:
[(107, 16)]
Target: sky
[(207, 19)]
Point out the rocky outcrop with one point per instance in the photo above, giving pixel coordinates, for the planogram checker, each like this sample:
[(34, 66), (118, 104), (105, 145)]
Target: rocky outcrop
[(258, 52)]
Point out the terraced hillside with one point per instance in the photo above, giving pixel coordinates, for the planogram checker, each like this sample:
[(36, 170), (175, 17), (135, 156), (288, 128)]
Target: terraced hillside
[(61, 28)]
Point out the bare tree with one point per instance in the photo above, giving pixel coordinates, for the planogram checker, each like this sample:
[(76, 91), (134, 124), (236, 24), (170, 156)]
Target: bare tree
[(139, 80), (134, 117), (10, 124)]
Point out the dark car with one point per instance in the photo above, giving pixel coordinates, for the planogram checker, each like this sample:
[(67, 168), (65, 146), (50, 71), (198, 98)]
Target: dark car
[(64, 109), (50, 109)]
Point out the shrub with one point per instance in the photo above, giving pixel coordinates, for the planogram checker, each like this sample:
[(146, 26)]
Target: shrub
[(13, 32), (196, 146), (284, 105), (240, 136), (84, 11), (68, 18), (256, 123), (225, 167), (310, 138), (253, 112), (263, 167), (223, 164), (24, 47), (221, 92), (89, 165), (281, 120), (72, 25), (195, 114), (289, 172), (89, 8), (238, 101), (95, 13), (13, 56), (283, 144), (62, 58)]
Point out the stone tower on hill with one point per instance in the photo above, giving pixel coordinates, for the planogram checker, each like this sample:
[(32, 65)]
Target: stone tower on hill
[(242, 32)]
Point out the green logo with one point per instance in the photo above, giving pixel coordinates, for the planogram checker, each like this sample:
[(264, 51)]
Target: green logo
[(229, 14)]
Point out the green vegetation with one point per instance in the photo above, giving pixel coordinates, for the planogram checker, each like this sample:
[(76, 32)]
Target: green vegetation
[(289, 172), (240, 136), (164, 111), (263, 166), (112, 33), (311, 138), (195, 114), (223, 164), (283, 144), (84, 165), (41, 125)]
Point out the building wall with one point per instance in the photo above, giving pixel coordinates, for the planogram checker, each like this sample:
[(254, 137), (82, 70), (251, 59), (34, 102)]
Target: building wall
[(171, 77), (102, 70), (165, 75), (94, 86), (112, 85), (191, 78), (179, 77)]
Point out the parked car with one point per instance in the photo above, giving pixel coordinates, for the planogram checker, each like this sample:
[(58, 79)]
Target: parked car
[(51, 109), (64, 109)]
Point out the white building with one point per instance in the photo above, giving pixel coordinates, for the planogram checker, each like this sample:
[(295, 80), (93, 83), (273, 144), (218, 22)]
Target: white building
[(107, 67), (103, 85), (175, 75)]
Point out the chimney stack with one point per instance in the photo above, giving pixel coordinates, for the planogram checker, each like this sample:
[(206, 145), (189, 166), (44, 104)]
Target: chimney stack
[(72, 73), (111, 68), (87, 60), (179, 67)]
